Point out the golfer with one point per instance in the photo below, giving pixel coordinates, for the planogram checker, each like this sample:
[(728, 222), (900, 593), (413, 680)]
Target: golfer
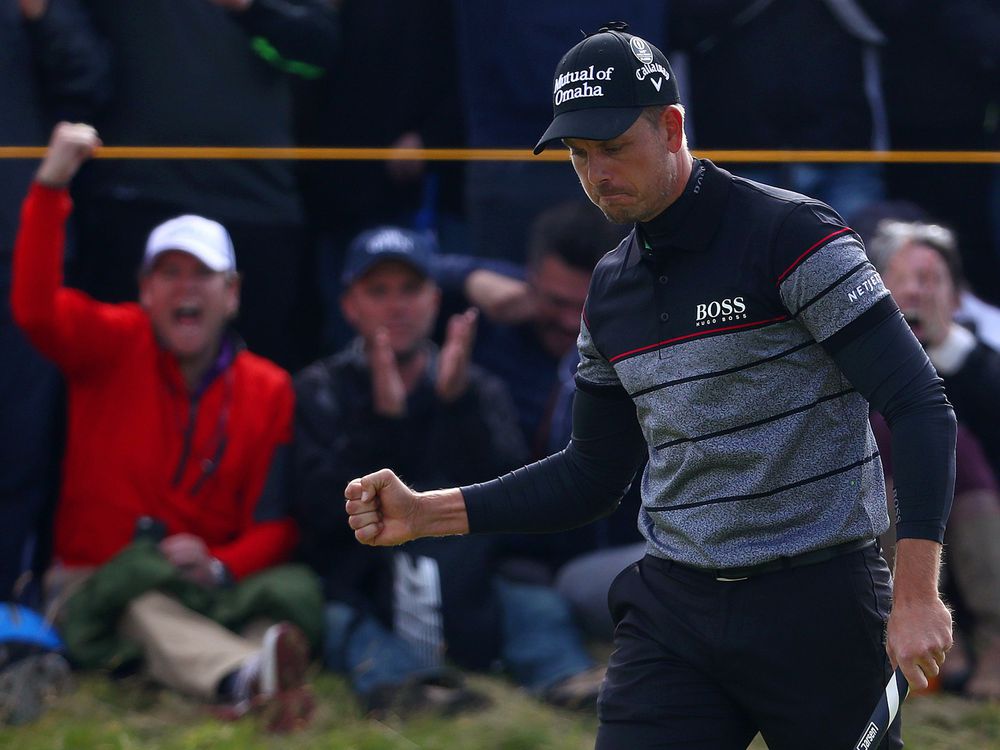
[(736, 337)]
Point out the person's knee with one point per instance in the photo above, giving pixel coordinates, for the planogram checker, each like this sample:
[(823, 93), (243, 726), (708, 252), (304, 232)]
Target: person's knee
[(147, 604), (536, 603), (339, 620)]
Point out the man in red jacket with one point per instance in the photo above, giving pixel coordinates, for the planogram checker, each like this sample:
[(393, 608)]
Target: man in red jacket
[(173, 428)]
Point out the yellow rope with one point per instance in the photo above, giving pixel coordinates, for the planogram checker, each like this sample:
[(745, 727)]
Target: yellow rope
[(496, 154)]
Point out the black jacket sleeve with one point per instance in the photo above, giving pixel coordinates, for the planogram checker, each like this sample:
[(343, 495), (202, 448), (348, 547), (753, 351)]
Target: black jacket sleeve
[(73, 63), (300, 35), (975, 392), (883, 360), (477, 436), (581, 483), (450, 271)]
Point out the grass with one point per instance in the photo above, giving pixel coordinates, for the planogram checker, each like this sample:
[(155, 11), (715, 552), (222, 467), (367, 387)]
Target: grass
[(132, 715)]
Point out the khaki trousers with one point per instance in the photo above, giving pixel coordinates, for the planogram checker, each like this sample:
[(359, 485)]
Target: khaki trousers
[(182, 649)]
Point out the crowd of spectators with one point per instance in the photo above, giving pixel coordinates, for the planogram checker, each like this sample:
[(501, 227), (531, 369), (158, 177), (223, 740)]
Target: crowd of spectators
[(409, 313)]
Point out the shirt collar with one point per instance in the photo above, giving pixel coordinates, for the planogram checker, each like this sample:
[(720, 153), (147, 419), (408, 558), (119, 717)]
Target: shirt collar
[(690, 222), (228, 349)]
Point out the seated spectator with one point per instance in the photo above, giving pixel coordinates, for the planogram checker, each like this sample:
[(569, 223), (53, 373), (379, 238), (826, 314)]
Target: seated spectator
[(169, 529), (972, 565), (531, 314), (974, 312), (395, 617), (531, 318), (921, 267)]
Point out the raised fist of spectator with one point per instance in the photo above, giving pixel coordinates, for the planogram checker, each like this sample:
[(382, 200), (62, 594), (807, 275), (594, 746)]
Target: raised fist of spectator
[(70, 146)]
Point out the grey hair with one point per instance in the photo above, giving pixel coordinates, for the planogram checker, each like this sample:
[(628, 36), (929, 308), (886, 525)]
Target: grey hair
[(891, 235)]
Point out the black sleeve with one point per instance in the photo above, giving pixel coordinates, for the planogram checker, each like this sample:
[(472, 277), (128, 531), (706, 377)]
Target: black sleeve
[(315, 470), (581, 483), (883, 360), (973, 27), (975, 392), (273, 501), (300, 37), (450, 271), (476, 436), (73, 62)]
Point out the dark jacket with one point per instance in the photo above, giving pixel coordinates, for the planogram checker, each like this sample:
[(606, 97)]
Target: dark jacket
[(508, 53), (974, 391), (190, 73), (53, 68), (388, 79), (785, 74), (339, 437)]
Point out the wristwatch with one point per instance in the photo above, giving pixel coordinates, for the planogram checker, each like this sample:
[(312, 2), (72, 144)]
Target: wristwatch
[(220, 573)]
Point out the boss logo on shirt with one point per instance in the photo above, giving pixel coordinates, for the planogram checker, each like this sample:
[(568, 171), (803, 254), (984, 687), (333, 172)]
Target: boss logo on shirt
[(720, 311)]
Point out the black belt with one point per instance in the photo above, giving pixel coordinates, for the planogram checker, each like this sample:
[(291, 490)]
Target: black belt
[(794, 561)]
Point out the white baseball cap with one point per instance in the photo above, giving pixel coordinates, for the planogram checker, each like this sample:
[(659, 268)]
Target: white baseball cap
[(206, 240)]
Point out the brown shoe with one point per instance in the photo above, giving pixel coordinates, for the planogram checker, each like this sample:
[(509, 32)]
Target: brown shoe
[(577, 692), (272, 684), (286, 700)]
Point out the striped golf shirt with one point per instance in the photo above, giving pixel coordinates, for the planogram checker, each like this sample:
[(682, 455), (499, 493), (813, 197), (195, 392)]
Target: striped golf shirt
[(731, 339), (712, 322)]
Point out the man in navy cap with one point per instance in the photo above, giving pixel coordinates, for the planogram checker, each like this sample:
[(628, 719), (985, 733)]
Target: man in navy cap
[(394, 619), (735, 337)]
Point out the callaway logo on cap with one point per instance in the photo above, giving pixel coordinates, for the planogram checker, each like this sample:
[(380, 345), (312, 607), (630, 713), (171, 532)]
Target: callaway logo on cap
[(603, 83)]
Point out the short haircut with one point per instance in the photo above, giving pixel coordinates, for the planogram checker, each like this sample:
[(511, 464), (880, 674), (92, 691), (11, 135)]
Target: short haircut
[(576, 232), (892, 235), (652, 115)]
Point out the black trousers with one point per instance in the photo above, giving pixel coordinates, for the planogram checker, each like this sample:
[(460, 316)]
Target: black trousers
[(797, 655)]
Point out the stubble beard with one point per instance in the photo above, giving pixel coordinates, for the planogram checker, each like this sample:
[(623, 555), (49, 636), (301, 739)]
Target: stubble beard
[(649, 209)]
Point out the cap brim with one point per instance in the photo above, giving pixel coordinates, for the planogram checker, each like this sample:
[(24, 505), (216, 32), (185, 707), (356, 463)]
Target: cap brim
[(206, 256), (352, 275), (594, 124)]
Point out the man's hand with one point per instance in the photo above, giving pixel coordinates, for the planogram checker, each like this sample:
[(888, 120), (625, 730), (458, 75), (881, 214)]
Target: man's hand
[(70, 146), (32, 10), (189, 554), (383, 511), (453, 363), (406, 170), (920, 632), (501, 298), (388, 390)]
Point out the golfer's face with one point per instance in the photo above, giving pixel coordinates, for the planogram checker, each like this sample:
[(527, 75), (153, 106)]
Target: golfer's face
[(631, 177)]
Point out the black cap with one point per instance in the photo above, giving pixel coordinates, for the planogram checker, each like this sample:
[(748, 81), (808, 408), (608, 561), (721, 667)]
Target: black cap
[(603, 83), (381, 244)]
